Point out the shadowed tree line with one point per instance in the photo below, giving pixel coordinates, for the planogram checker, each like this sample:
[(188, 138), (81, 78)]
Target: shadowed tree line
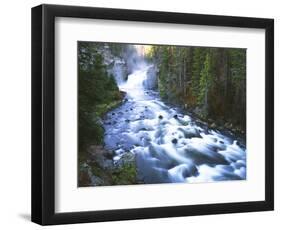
[(211, 82), (99, 65), (98, 91)]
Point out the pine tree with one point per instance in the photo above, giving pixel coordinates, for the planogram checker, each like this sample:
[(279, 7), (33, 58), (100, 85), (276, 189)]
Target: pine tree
[(205, 80)]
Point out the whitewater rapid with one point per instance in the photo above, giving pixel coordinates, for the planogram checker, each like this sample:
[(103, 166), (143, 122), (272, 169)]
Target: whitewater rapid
[(170, 146)]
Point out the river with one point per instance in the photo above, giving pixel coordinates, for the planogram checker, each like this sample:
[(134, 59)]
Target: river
[(170, 146)]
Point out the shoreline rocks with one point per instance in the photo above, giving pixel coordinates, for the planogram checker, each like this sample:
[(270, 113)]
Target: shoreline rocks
[(99, 168), (216, 124)]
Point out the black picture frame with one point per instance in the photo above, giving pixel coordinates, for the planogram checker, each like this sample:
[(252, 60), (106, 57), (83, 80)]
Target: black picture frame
[(43, 113)]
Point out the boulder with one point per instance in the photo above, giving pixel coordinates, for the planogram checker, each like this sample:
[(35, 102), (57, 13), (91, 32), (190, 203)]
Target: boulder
[(126, 158), (101, 156)]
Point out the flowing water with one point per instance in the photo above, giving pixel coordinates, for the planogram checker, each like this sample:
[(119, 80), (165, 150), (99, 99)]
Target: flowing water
[(170, 146)]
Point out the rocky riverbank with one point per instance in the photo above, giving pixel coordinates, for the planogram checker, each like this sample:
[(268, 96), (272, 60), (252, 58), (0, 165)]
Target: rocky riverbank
[(97, 168), (218, 123)]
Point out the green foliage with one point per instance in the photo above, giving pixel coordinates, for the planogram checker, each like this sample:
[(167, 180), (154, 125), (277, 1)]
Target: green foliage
[(237, 69), (97, 93), (122, 174), (126, 174), (101, 109), (164, 72), (116, 49), (237, 64), (205, 80), (211, 81), (199, 55)]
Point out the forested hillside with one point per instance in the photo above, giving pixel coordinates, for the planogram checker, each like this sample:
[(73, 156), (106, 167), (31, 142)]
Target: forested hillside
[(101, 66), (211, 82), (98, 91)]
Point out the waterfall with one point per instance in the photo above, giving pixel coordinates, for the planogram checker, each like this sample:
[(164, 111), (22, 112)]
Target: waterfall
[(169, 146)]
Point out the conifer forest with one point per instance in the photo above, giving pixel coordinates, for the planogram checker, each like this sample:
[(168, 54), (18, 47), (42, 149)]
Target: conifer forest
[(150, 114)]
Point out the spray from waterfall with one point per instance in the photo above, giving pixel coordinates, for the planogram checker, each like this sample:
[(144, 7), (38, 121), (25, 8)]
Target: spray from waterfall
[(141, 73)]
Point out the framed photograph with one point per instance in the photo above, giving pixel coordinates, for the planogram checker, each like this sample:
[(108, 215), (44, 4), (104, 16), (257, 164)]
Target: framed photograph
[(142, 114)]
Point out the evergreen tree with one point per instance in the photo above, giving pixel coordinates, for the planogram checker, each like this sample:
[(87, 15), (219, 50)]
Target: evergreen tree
[(205, 82), (210, 81), (97, 89)]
